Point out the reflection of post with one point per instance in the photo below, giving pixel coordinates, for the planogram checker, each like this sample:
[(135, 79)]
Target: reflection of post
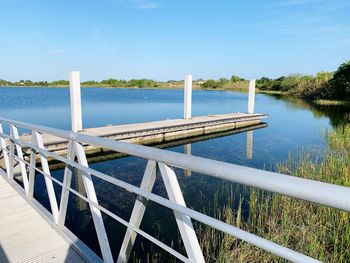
[(81, 204), (249, 144), (188, 150)]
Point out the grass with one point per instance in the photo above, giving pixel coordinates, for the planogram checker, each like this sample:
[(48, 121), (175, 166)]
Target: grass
[(318, 231), (332, 103), (314, 230), (271, 92)]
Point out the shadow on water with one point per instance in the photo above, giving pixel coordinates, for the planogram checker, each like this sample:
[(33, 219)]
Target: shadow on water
[(3, 256)]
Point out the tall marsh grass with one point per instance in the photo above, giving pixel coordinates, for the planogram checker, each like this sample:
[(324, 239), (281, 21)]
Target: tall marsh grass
[(318, 231)]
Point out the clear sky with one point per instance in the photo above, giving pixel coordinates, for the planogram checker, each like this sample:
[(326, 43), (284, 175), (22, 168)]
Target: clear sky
[(165, 39)]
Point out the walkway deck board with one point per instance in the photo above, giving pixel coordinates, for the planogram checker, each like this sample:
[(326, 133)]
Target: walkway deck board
[(25, 236)]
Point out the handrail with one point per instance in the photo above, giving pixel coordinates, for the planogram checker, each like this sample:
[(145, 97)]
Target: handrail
[(217, 224), (309, 190)]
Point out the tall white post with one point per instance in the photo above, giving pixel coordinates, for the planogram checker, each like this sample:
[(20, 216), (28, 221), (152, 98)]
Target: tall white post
[(251, 96), (188, 97), (75, 101)]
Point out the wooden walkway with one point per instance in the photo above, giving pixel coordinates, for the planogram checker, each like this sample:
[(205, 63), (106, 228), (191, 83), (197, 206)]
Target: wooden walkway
[(25, 236)]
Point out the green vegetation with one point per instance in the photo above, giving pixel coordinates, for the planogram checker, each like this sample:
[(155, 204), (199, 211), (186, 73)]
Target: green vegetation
[(318, 231), (332, 103), (129, 83), (113, 83), (27, 83), (323, 86), (92, 83), (235, 83)]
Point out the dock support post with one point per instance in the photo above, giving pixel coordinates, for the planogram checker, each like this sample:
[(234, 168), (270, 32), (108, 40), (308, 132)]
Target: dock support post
[(251, 96), (75, 101), (188, 97)]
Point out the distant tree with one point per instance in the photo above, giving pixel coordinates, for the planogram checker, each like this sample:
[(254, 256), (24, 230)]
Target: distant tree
[(340, 84), (264, 83), (90, 83), (223, 81), (236, 78), (210, 84), (270, 84), (61, 82), (5, 83), (289, 83), (324, 75)]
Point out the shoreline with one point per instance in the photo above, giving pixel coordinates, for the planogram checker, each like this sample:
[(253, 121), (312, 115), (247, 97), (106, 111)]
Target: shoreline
[(319, 102)]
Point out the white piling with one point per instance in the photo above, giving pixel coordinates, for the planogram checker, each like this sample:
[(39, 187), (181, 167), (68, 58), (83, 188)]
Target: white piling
[(75, 101), (251, 96), (188, 97)]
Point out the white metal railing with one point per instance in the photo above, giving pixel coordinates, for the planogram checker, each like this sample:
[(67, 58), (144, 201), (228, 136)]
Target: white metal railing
[(11, 145)]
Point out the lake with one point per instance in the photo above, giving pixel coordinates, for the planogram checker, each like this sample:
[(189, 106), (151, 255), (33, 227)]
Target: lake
[(292, 126)]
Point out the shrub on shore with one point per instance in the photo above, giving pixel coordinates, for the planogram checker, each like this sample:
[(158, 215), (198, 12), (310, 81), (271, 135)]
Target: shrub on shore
[(325, 85)]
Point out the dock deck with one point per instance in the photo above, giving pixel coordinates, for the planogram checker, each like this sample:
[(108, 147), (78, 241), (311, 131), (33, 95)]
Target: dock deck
[(156, 132), (25, 236)]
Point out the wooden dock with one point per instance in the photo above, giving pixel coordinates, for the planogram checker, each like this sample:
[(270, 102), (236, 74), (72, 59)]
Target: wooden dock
[(25, 236), (156, 132)]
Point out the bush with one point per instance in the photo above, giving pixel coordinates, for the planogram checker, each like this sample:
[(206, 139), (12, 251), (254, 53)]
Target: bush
[(340, 84)]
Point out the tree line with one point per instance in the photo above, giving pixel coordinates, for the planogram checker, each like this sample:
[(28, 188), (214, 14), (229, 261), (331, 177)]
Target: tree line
[(106, 83), (324, 85)]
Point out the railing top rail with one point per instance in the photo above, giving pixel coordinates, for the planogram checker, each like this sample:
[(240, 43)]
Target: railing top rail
[(309, 190)]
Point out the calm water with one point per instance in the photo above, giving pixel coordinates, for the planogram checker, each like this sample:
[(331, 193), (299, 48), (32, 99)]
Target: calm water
[(292, 126)]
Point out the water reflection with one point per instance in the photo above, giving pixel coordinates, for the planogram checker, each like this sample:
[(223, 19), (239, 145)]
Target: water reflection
[(337, 114), (81, 205), (249, 145), (293, 124), (188, 151)]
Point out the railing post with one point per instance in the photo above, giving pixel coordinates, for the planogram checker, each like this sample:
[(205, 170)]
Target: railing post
[(75, 101), (184, 222), (95, 212), (11, 159), (251, 96), (14, 134), (138, 211), (31, 168), (188, 97), (3, 148), (67, 180), (48, 182)]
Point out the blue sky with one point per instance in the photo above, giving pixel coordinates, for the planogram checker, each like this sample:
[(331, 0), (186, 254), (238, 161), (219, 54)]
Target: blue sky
[(164, 39)]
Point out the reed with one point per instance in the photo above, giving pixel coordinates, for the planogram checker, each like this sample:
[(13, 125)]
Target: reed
[(315, 230)]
